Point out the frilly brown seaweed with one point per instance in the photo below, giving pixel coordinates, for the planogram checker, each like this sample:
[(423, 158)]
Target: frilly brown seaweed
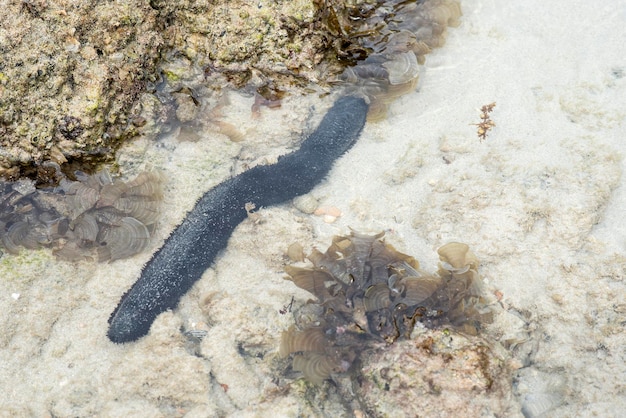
[(385, 41), (369, 292), (95, 217)]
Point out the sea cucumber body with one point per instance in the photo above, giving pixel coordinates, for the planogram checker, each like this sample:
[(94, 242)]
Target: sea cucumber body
[(195, 243)]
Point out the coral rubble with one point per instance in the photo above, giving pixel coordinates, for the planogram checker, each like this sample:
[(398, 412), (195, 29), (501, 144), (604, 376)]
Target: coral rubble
[(435, 374), (368, 293)]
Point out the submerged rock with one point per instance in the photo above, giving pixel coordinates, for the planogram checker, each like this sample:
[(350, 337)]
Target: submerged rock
[(435, 374), (70, 78), (76, 80)]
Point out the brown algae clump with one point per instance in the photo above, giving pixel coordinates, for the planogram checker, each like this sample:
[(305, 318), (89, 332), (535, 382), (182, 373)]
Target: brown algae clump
[(368, 293), (96, 217), (386, 41)]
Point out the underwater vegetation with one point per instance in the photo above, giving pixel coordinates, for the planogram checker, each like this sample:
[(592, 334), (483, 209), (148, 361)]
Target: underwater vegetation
[(486, 124), (95, 217), (368, 48), (384, 42), (368, 293)]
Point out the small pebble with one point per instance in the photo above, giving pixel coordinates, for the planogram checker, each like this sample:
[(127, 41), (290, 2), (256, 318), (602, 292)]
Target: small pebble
[(328, 211), (306, 203)]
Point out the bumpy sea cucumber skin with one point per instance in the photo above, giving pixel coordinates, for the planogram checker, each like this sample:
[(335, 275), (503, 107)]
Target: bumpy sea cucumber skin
[(195, 243)]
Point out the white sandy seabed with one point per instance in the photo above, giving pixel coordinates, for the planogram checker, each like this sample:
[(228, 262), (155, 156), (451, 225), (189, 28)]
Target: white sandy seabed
[(541, 201)]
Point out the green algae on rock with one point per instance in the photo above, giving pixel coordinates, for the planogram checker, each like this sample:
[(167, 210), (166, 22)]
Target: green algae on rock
[(71, 75), (368, 293), (78, 80)]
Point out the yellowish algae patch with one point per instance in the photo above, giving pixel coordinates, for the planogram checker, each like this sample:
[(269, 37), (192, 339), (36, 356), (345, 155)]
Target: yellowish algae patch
[(18, 269)]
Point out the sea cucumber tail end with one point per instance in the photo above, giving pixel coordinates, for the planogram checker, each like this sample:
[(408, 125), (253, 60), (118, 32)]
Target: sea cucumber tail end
[(128, 324)]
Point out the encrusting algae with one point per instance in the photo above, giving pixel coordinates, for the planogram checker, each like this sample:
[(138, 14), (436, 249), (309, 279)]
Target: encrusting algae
[(368, 293)]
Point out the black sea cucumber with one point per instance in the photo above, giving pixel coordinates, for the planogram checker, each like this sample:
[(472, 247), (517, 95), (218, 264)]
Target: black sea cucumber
[(195, 243)]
